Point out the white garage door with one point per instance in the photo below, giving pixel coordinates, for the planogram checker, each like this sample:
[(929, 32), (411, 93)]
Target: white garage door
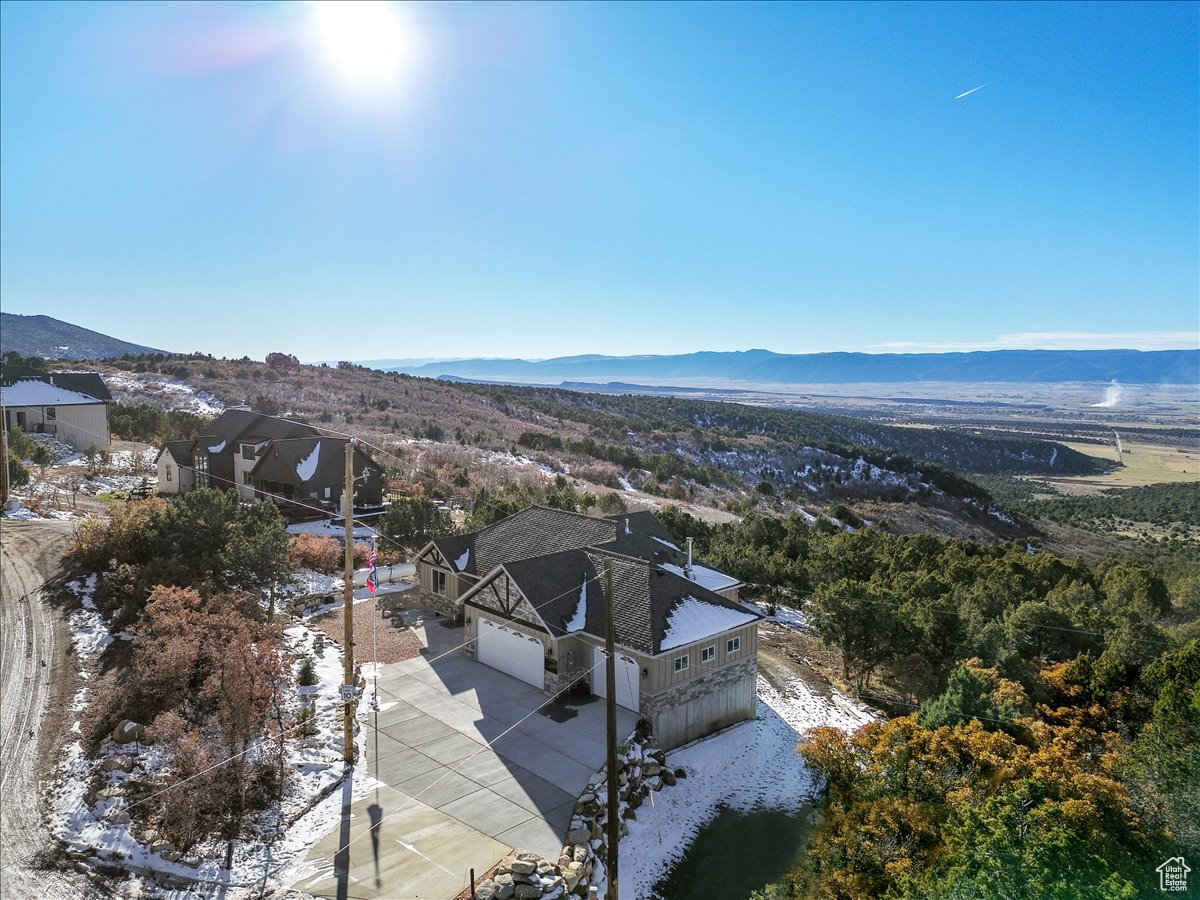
[(628, 678), (512, 652)]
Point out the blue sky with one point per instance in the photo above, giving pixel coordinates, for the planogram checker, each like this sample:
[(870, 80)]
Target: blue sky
[(543, 180)]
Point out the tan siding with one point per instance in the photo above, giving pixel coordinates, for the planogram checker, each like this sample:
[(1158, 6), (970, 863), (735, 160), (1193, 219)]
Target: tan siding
[(662, 667), (83, 426)]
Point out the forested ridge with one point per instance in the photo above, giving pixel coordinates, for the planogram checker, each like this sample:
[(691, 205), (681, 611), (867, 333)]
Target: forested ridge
[(1044, 730)]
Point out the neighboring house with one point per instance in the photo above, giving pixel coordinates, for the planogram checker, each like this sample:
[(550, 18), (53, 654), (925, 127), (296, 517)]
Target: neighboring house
[(70, 406), (175, 464), (530, 589), (266, 456), (314, 468)]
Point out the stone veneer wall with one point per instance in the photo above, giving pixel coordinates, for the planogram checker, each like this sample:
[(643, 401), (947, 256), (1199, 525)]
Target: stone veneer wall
[(439, 602), (712, 701)]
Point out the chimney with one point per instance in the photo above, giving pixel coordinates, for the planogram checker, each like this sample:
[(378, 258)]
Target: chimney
[(627, 526), (689, 562)]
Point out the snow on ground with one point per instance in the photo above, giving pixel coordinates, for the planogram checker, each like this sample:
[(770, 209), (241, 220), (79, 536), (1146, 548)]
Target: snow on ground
[(103, 827), (326, 528), (750, 766), (783, 615), (166, 393)]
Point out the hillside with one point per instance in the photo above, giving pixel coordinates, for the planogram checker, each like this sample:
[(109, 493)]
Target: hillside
[(53, 339), (765, 367), (458, 438)]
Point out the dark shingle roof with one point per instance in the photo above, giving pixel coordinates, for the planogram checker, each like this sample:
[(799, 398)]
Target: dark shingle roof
[(644, 596), (535, 531), (181, 452), (235, 425)]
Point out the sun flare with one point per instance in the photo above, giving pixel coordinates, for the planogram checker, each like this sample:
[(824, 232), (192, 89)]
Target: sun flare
[(365, 40)]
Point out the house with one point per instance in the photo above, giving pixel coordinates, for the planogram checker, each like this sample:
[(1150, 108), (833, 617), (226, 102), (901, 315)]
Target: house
[(267, 456), (71, 406), (530, 590), (314, 468), (175, 467)]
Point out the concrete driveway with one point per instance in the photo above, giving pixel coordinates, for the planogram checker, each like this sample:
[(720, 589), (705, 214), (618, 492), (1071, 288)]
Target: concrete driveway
[(472, 764)]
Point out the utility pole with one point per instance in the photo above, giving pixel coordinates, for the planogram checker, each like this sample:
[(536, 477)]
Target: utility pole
[(610, 683), (4, 453), (348, 687)]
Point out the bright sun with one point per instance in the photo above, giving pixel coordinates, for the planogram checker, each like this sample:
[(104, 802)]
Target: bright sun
[(364, 39)]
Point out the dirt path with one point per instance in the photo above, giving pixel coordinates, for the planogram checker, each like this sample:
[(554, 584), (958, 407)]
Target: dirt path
[(34, 643)]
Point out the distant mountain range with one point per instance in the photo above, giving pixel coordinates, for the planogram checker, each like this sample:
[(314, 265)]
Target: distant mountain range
[(764, 367), (53, 339)]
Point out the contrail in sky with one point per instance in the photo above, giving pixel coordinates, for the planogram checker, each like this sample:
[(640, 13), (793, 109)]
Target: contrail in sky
[(972, 90)]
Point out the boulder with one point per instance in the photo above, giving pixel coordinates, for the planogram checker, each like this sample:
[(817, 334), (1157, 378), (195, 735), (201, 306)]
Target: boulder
[(572, 875), (681, 773), (119, 762), (522, 867), (528, 891), (579, 835), (580, 853), (486, 891), (128, 732)]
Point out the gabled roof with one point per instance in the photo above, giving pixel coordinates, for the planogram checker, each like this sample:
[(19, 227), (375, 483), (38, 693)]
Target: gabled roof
[(180, 451), (305, 459), (534, 531), (243, 426), (541, 530), (653, 611)]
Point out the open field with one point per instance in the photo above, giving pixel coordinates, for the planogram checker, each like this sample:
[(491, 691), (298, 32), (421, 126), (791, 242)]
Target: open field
[(1143, 464)]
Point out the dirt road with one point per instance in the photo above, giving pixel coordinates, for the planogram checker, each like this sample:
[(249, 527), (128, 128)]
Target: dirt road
[(34, 642)]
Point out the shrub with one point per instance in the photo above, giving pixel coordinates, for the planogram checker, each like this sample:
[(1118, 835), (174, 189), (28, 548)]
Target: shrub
[(321, 554), (308, 672)]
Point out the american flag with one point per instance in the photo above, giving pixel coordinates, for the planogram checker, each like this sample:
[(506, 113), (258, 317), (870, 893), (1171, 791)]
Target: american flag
[(372, 574)]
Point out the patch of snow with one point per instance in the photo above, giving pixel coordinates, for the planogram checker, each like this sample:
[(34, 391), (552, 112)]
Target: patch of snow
[(692, 619), (217, 448), (751, 766), (703, 576), (579, 617), (307, 467), (667, 543), (326, 528), (463, 559)]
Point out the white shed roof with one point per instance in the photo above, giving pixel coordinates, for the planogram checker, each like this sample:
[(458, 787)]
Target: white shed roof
[(39, 393)]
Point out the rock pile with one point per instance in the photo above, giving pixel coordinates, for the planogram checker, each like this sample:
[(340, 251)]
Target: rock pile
[(640, 769)]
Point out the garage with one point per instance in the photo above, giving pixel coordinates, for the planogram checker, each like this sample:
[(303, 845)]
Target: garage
[(513, 652), (628, 678)]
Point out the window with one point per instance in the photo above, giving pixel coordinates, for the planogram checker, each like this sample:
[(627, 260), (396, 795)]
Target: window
[(733, 645), (168, 473), (246, 478), (708, 654), (682, 663), (51, 413), (247, 451), (201, 470), (326, 493), (439, 581)]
